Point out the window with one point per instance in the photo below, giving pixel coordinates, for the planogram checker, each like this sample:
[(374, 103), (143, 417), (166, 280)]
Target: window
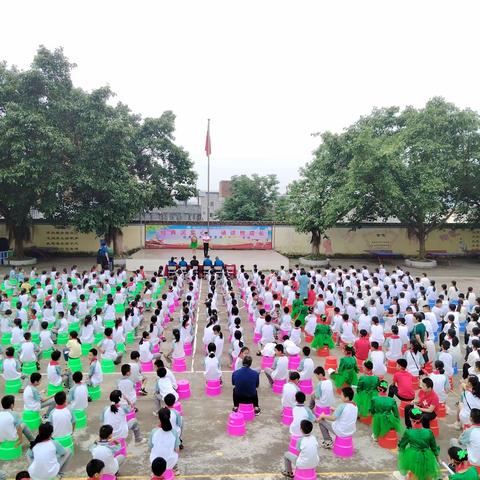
[(212, 204)]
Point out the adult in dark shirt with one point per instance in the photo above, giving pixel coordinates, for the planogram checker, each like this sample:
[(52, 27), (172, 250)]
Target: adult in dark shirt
[(245, 383), (194, 262)]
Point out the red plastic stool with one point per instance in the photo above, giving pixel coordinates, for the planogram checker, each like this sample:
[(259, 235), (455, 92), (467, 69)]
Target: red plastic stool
[(323, 352), (389, 440), (331, 362)]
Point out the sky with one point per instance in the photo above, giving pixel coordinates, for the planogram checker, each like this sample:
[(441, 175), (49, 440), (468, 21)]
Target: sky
[(267, 73)]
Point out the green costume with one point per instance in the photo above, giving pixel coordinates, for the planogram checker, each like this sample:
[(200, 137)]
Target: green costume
[(302, 312), (469, 474), (323, 337), (385, 416), (296, 304), (417, 453), (346, 373), (366, 390)]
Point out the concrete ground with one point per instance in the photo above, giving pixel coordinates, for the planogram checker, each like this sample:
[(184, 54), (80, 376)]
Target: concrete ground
[(209, 452)]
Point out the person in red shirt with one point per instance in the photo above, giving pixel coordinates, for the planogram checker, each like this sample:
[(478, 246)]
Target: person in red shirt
[(402, 386), (362, 346), (427, 402)]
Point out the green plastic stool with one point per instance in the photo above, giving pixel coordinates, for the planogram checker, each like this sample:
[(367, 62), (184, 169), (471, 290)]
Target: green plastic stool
[(6, 338), (36, 338), (47, 354), (75, 365), (98, 337), (9, 451), (74, 327), (120, 347), (130, 338), (62, 338), (95, 392), (31, 419), (120, 308), (29, 367), (109, 323), (86, 348), (13, 386), (53, 389), (65, 442), (80, 419), (107, 365), (50, 326)]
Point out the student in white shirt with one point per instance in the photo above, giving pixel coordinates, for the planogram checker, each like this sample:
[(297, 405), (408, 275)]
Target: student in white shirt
[(164, 440), (441, 384), (11, 427), (307, 447), (32, 400), (307, 365), (290, 389), (280, 366), (11, 366), (377, 357), (95, 374), (61, 418), (212, 364), (163, 387), (48, 459), (324, 395), (108, 349), (78, 395), (310, 322), (106, 451), (127, 386)]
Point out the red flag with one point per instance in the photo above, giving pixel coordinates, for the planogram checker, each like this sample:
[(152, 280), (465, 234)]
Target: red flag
[(208, 145)]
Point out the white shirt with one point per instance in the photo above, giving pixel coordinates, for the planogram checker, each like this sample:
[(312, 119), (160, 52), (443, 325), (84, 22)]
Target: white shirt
[(8, 429), (299, 413), (45, 463), (288, 395), (10, 371), (62, 421), (281, 368), (378, 359), (345, 424), (53, 377), (307, 369), (308, 452), (127, 387), (324, 394), (165, 386), (118, 421), (102, 451), (163, 445), (78, 397), (212, 368), (31, 398)]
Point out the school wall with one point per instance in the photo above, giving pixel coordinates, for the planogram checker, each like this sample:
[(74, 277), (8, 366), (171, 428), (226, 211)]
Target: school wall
[(368, 240)]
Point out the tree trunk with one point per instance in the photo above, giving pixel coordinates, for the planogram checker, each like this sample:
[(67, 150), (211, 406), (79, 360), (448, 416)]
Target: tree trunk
[(422, 239), (19, 251), (116, 235), (315, 242)]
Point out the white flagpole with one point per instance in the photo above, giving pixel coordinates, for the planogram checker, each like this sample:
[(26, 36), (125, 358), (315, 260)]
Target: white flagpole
[(208, 179)]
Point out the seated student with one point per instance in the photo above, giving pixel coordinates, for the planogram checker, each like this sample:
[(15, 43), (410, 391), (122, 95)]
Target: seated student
[(176, 419), (347, 369), (78, 394), (470, 438), (366, 389), (300, 412), (323, 335), (307, 447), (136, 373), (377, 357), (106, 449), (95, 374), (159, 467), (163, 387), (362, 346), (108, 349), (164, 441), (11, 427), (290, 389), (32, 400), (324, 395), (402, 386), (427, 403), (54, 373), (385, 414), (28, 350), (127, 386), (212, 364), (12, 368), (48, 459), (280, 366), (459, 464), (306, 366), (61, 418), (95, 469), (343, 420)]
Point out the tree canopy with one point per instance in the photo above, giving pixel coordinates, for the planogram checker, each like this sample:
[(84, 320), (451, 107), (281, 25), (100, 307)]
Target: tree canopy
[(77, 158), (253, 199)]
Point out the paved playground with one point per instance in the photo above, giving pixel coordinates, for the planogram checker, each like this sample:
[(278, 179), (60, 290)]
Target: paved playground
[(209, 452)]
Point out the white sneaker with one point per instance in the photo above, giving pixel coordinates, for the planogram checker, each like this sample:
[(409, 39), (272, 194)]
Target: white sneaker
[(398, 475)]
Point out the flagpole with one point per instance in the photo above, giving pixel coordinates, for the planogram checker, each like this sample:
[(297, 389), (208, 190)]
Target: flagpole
[(208, 182)]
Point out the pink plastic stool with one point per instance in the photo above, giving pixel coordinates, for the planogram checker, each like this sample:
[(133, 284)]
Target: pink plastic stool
[(305, 474), (287, 415), (343, 447), (171, 308), (306, 386), (107, 476), (123, 448), (178, 407), (325, 410), (256, 338), (267, 362), (156, 348), (179, 364), (268, 307), (188, 348), (284, 333), (278, 386), (138, 387), (234, 359), (293, 362), (292, 446), (183, 389), (146, 366), (166, 319), (169, 475), (213, 388), (131, 415), (236, 425), (247, 410), (250, 317)]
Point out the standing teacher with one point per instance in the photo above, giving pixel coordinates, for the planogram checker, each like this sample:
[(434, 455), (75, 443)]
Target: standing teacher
[(206, 243), (303, 282)]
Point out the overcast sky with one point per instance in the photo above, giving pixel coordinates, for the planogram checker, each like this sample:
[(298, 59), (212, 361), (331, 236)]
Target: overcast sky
[(267, 73)]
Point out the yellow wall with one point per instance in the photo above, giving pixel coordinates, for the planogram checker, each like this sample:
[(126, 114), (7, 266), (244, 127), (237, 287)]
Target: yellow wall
[(285, 239)]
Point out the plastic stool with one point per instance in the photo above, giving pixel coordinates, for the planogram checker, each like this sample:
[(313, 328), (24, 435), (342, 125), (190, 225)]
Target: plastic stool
[(292, 446), (183, 389), (293, 362), (442, 411), (7, 338), (434, 427), (75, 365), (178, 407), (284, 333), (246, 409), (331, 362), (9, 451), (389, 440), (107, 476), (188, 349), (391, 367), (53, 389), (401, 408), (120, 347), (31, 418), (287, 416), (213, 388), (320, 410), (146, 366), (130, 338), (305, 474), (267, 362), (62, 338), (323, 352), (95, 392), (13, 386), (46, 354), (98, 337), (306, 386), (107, 365), (366, 420), (343, 447), (236, 425), (131, 415), (86, 347), (29, 367), (123, 448), (256, 338), (65, 442), (80, 419), (415, 383), (277, 386), (168, 475), (179, 364)]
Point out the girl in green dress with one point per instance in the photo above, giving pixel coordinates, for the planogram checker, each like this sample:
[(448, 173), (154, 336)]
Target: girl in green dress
[(347, 370), (384, 411), (193, 243), (418, 451), (459, 460), (323, 335), (366, 390)]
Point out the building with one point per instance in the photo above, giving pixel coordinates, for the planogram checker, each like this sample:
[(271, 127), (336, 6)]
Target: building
[(216, 202), (181, 212)]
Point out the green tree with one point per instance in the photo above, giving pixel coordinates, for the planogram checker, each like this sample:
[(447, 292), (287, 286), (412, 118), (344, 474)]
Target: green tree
[(412, 165), (253, 199), (33, 151)]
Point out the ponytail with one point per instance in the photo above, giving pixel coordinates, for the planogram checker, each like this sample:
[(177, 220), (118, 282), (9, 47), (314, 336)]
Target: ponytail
[(45, 431), (115, 397)]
